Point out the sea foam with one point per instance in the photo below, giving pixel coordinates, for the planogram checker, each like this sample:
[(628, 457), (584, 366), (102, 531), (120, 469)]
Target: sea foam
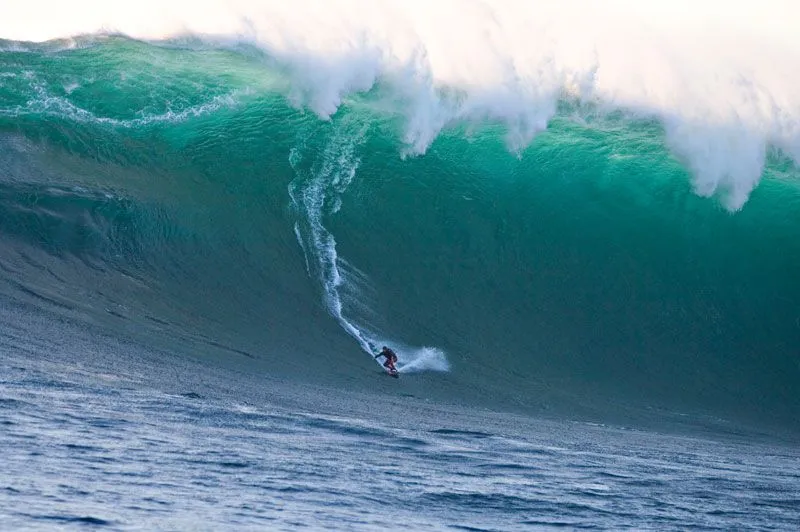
[(721, 77)]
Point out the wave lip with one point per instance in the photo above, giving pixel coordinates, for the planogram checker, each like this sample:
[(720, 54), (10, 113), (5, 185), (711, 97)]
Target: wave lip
[(720, 77)]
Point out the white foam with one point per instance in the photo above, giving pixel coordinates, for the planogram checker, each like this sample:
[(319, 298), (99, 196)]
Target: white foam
[(312, 193), (47, 103), (412, 360), (722, 76)]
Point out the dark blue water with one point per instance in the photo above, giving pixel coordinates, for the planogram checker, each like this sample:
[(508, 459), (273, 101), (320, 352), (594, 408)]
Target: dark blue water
[(100, 433)]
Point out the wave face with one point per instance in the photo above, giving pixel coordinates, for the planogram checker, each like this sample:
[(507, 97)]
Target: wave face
[(532, 222)]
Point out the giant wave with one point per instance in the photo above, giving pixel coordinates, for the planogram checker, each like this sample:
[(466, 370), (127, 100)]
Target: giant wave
[(521, 200)]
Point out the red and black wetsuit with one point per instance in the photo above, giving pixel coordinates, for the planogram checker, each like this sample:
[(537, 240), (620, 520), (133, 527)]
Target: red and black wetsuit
[(390, 357)]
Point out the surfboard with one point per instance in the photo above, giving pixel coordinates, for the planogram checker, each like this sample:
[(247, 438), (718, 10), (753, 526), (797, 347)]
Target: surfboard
[(393, 373)]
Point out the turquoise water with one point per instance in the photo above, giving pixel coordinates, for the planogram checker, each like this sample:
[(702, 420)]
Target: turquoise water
[(583, 263)]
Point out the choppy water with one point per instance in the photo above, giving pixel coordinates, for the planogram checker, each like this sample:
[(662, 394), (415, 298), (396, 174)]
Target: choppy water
[(161, 442)]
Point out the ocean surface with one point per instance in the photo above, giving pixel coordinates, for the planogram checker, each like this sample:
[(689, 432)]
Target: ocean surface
[(577, 225), (99, 433)]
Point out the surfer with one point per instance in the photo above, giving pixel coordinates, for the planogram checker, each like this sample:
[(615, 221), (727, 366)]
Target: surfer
[(391, 358)]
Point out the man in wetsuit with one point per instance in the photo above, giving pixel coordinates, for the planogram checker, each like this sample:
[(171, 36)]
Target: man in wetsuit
[(391, 358)]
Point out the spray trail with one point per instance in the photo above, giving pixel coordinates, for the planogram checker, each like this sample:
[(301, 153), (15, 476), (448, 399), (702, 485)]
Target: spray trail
[(316, 193), (313, 196)]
